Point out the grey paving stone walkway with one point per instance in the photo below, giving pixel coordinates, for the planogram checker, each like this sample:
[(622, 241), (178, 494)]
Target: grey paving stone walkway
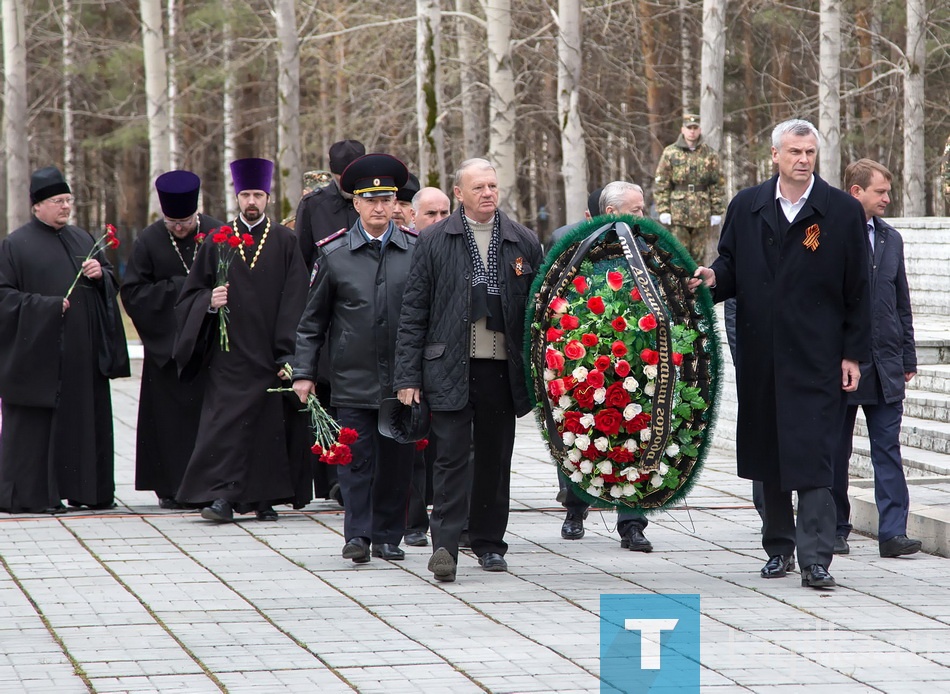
[(140, 599)]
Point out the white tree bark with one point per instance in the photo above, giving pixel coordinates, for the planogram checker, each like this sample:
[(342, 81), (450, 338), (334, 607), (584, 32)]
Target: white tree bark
[(15, 115), (829, 85), (172, 85), (69, 136), (227, 114), (472, 122), (573, 146), (501, 140), (288, 108), (686, 59), (913, 198), (713, 71), (431, 140), (156, 97)]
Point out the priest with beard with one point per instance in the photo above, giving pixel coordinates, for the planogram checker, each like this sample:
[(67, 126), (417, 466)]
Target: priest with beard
[(59, 350), (169, 408), (250, 451)]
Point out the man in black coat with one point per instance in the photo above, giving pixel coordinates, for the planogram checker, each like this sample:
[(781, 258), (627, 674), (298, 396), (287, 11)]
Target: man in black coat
[(354, 306), (793, 254), (893, 363), (169, 408), (460, 347)]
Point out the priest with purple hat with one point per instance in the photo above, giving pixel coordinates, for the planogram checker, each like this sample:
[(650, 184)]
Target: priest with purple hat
[(248, 453), (169, 407)]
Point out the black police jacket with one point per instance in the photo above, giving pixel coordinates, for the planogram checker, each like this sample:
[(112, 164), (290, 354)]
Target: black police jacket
[(434, 342), (354, 304)]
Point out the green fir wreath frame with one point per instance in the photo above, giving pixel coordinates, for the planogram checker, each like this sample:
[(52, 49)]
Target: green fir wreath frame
[(668, 268)]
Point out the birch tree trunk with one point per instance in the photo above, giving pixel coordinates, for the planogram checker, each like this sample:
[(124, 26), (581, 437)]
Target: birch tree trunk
[(227, 115), (156, 97), (713, 71), (473, 126), (288, 109), (172, 85), (15, 115), (829, 84), (686, 60), (501, 140), (431, 139), (69, 135), (913, 196), (573, 146)]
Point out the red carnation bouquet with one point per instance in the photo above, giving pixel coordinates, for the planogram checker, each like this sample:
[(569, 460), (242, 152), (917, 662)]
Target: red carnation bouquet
[(107, 240), (228, 243), (600, 378)]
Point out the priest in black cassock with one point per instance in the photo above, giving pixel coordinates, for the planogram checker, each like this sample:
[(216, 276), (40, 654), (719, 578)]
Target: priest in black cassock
[(246, 458), (169, 407), (57, 354)]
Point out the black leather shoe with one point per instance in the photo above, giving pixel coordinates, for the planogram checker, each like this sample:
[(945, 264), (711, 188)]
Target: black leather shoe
[(778, 566), (817, 576), (267, 514), (899, 546), (464, 540), (336, 494), (442, 565), (54, 510), (388, 551), (573, 527), (168, 502), (416, 539), (492, 561), (841, 545), (357, 549), (220, 511), (634, 540)]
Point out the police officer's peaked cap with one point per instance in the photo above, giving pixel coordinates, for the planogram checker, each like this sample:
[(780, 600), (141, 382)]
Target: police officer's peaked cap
[(690, 119), (408, 191), (178, 193), (343, 153), (374, 175), (403, 423)]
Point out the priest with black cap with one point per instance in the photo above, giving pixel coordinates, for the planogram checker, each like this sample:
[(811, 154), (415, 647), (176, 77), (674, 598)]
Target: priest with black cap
[(353, 308), (246, 457), (58, 351), (169, 407)]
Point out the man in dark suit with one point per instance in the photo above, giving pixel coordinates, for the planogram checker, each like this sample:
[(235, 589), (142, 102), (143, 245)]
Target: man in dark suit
[(893, 363), (793, 254)]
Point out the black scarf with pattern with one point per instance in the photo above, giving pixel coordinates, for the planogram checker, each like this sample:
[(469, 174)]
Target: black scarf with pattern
[(486, 294)]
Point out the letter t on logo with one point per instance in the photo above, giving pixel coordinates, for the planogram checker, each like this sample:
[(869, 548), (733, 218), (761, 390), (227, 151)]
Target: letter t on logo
[(650, 630)]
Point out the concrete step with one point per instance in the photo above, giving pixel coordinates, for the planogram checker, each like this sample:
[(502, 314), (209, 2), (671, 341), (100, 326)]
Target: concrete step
[(917, 462), (933, 378), (927, 434), (927, 405)]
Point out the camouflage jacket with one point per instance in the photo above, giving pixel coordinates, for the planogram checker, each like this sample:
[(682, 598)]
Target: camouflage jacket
[(681, 167)]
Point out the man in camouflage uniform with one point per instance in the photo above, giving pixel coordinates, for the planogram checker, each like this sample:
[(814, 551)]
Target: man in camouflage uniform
[(688, 189), (945, 175)]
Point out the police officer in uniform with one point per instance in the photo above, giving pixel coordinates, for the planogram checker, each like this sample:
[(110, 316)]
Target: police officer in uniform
[(354, 306)]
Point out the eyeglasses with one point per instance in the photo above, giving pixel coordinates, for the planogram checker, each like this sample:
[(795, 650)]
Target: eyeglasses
[(178, 223), (61, 202)]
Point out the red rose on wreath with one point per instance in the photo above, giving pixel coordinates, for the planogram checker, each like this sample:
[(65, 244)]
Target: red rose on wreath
[(650, 356), (574, 350), (559, 304), (595, 378), (602, 363), (622, 368), (588, 339), (584, 396), (569, 322), (638, 423), (593, 454), (619, 324), (647, 323), (554, 359), (580, 284), (619, 454), (617, 396), (572, 422), (596, 305), (677, 358), (557, 388), (635, 294), (608, 421), (553, 334), (615, 280), (618, 349)]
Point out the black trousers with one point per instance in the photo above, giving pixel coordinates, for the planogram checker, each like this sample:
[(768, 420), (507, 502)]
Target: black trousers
[(626, 517), (376, 484), (814, 533), (488, 420), (420, 491)]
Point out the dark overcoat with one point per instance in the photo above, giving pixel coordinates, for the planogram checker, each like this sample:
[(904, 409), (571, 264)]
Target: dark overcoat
[(893, 352), (799, 312)]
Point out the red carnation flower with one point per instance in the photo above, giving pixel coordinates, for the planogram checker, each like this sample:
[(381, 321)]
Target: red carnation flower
[(595, 378), (199, 237), (110, 229), (316, 449), (422, 444), (608, 421), (234, 241), (553, 334), (218, 237), (574, 350), (622, 368), (677, 358), (569, 322), (635, 294), (580, 284), (596, 305), (247, 240), (647, 323), (619, 324), (347, 436), (614, 280), (589, 339), (113, 242), (650, 356), (602, 363), (226, 230), (618, 349), (554, 359), (616, 396)]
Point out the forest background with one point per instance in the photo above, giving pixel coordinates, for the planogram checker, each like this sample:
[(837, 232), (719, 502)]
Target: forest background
[(563, 95)]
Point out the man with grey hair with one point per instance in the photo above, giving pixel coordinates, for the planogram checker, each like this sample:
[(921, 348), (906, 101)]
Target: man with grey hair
[(459, 346), (793, 253), (621, 197), (429, 205)]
